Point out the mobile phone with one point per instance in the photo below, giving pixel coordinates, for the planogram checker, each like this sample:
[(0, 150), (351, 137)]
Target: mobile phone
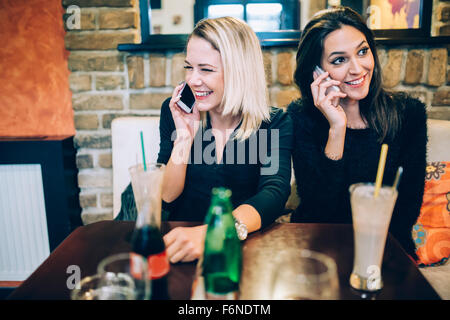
[(320, 71), (187, 99)]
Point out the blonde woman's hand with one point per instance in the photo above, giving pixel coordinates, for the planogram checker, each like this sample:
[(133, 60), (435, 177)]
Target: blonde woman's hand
[(328, 102), (186, 124), (185, 243)]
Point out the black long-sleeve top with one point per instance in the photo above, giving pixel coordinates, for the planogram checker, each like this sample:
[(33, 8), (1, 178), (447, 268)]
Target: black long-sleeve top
[(323, 184), (255, 177)]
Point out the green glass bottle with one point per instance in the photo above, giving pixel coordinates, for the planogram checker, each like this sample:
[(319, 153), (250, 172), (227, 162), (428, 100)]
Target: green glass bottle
[(222, 257)]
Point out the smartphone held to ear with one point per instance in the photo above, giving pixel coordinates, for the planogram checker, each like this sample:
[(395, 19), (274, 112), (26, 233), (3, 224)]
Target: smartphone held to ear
[(320, 71), (187, 99)]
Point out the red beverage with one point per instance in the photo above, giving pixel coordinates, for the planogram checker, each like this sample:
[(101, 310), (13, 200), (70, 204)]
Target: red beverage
[(147, 242)]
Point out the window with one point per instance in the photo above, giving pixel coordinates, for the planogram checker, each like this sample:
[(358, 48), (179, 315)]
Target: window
[(262, 16), (265, 16), (276, 22), (221, 10)]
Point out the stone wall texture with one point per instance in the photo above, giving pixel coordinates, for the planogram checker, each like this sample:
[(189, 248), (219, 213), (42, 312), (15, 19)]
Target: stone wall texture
[(107, 84)]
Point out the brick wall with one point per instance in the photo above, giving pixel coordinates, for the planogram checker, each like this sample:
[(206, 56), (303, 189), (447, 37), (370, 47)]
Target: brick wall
[(107, 84)]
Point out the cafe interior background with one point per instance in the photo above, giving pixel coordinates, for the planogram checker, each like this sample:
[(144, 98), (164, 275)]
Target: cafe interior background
[(68, 68)]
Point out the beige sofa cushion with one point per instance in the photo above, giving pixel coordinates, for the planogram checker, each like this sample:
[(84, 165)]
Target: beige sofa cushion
[(438, 140), (438, 150), (126, 150)]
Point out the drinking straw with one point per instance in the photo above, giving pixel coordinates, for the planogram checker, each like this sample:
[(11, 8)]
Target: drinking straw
[(143, 151), (397, 178), (380, 172)]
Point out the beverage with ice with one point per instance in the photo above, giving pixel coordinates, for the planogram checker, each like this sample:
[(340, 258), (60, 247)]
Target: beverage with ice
[(371, 217), (147, 187)]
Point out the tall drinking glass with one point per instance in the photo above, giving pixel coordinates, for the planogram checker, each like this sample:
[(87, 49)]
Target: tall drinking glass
[(371, 217), (146, 242), (147, 187)]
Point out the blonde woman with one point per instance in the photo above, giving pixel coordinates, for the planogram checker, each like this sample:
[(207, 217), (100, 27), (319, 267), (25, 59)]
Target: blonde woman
[(231, 139)]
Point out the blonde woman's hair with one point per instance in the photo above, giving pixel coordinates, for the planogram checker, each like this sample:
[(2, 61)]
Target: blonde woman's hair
[(245, 90)]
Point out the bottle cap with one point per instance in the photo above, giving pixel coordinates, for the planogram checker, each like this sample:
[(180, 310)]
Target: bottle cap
[(221, 192)]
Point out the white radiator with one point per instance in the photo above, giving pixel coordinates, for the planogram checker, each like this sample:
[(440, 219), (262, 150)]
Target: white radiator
[(24, 243)]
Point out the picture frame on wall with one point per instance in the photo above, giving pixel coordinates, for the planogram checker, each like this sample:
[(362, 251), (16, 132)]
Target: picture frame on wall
[(399, 18)]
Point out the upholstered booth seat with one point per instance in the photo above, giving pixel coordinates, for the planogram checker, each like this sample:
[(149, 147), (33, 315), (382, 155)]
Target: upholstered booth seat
[(439, 151), (127, 151)]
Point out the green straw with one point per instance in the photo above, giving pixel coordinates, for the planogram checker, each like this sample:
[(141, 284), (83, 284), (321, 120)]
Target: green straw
[(143, 151)]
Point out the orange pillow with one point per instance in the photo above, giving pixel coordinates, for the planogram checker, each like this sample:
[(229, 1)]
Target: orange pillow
[(431, 233)]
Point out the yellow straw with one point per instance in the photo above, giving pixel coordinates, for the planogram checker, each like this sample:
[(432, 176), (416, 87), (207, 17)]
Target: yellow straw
[(380, 172)]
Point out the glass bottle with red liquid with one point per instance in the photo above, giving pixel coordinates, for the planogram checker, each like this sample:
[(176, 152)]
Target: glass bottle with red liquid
[(147, 242)]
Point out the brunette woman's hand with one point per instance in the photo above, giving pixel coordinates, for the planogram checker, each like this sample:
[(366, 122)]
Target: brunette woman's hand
[(328, 102), (186, 124)]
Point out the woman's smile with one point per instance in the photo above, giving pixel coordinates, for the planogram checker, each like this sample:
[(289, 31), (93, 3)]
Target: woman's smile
[(357, 83), (202, 95)]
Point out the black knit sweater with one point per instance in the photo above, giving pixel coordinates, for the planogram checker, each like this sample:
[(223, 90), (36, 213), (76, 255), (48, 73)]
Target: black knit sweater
[(323, 184)]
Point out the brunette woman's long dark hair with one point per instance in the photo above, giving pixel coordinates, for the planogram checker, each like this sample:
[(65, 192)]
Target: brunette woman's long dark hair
[(378, 108)]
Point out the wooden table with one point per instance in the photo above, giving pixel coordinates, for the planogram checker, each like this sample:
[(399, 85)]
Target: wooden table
[(87, 245)]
